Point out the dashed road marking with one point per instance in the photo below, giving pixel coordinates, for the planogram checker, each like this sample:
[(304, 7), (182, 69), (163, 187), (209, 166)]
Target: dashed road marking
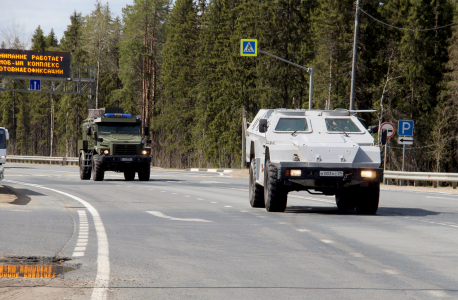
[(393, 272), (302, 230), (227, 206), (327, 241), (356, 254)]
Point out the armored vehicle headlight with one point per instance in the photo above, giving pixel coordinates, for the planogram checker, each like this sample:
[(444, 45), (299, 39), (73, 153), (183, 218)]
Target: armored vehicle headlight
[(144, 151), (367, 174), (106, 151), (293, 173)]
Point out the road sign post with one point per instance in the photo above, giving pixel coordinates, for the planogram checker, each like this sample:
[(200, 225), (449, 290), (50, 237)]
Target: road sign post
[(405, 130)]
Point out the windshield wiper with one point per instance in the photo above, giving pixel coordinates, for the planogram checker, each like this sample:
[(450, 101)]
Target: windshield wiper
[(300, 128)]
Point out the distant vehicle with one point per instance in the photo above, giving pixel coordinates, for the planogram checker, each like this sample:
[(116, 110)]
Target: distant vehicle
[(320, 151), (112, 141), (4, 135)]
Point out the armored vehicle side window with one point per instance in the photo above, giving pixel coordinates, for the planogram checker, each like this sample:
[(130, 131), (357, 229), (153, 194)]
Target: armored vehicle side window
[(341, 125), (292, 124), (2, 139), (133, 129)]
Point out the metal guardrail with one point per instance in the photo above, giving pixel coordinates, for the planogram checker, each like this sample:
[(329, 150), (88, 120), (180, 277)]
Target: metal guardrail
[(42, 159), (423, 176)]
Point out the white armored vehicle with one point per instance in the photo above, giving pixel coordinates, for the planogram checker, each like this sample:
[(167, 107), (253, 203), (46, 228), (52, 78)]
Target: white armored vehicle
[(327, 152)]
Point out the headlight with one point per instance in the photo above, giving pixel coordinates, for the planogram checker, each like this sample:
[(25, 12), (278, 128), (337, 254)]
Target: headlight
[(144, 152), (106, 151), (368, 174), (295, 173), (3, 156)]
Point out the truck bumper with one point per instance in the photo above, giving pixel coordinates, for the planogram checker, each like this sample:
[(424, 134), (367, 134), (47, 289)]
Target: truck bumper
[(330, 174), (130, 159)]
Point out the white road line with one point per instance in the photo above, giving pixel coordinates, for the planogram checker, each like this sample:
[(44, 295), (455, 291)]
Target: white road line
[(356, 254), (302, 230), (393, 272), (441, 294), (327, 241), (441, 198), (161, 215), (102, 279), (227, 206)]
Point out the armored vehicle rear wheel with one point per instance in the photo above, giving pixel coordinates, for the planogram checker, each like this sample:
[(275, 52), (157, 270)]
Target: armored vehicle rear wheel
[(129, 175), (368, 199), (97, 168), (256, 190), (85, 172), (275, 194), (345, 199), (144, 172)]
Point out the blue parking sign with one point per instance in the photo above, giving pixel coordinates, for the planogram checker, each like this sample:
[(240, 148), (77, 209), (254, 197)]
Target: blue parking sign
[(405, 127)]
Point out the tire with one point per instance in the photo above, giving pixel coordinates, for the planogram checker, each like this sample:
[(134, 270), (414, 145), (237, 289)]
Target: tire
[(144, 172), (97, 168), (256, 190), (85, 172), (129, 175), (368, 199), (275, 194), (345, 200)]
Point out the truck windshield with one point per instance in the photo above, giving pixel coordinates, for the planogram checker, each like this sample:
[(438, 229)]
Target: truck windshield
[(125, 128), (2, 139), (341, 125), (292, 124)]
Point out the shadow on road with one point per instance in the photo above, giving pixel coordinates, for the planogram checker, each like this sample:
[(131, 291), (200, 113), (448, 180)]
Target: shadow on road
[(16, 196), (136, 180), (382, 211)]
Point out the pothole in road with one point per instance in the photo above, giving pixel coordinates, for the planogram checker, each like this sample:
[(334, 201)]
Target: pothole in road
[(34, 267)]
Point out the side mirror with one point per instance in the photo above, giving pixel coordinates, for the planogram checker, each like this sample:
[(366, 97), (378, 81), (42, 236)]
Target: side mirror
[(88, 130), (148, 141), (373, 129), (100, 140), (384, 136), (7, 134), (146, 129), (262, 125)]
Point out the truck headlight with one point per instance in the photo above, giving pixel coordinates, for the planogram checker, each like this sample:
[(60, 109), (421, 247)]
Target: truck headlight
[(144, 151), (106, 151), (368, 174), (3, 156), (293, 173)]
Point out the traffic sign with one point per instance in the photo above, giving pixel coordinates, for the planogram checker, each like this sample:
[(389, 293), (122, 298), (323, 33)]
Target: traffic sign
[(389, 128), (405, 127), (35, 85), (248, 47), (405, 140)]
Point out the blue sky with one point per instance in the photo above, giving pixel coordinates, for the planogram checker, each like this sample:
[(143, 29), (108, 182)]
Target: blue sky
[(28, 14)]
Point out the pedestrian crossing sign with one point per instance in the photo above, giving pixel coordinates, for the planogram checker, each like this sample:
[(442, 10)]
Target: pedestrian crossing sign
[(249, 47)]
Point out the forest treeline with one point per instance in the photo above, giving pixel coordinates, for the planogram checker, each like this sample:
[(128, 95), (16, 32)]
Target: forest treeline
[(178, 65)]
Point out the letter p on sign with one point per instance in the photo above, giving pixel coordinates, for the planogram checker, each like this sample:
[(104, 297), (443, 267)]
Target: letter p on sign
[(405, 127)]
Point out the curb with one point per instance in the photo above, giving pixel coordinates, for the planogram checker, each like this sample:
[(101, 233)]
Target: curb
[(210, 170)]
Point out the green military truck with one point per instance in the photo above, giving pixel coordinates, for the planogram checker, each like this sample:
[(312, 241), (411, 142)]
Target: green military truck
[(112, 141)]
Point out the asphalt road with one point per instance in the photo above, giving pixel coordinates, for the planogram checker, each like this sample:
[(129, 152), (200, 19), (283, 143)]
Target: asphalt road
[(185, 235)]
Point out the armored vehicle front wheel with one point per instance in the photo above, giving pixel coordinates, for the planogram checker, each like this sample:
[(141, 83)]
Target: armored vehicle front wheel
[(85, 172), (275, 194), (256, 190), (129, 175), (97, 168), (345, 199), (368, 199), (144, 172)]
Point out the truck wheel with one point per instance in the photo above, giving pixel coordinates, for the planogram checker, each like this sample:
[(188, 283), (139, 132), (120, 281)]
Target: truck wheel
[(85, 172), (256, 190), (368, 199), (345, 199), (275, 194), (97, 168), (144, 172), (129, 175)]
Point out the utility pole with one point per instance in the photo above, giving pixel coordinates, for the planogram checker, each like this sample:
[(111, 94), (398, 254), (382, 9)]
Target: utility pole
[(355, 50)]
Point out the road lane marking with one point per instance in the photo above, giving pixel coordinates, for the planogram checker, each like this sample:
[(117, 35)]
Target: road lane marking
[(302, 230), (327, 241), (393, 272), (356, 254), (162, 215), (102, 278), (227, 206), (438, 293)]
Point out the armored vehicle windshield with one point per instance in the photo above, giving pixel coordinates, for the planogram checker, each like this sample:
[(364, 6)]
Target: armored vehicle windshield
[(119, 128), (292, 124), (341, 125)]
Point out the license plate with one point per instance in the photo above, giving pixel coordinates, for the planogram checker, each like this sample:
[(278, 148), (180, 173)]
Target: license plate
[(332, 173), (126, 159)]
